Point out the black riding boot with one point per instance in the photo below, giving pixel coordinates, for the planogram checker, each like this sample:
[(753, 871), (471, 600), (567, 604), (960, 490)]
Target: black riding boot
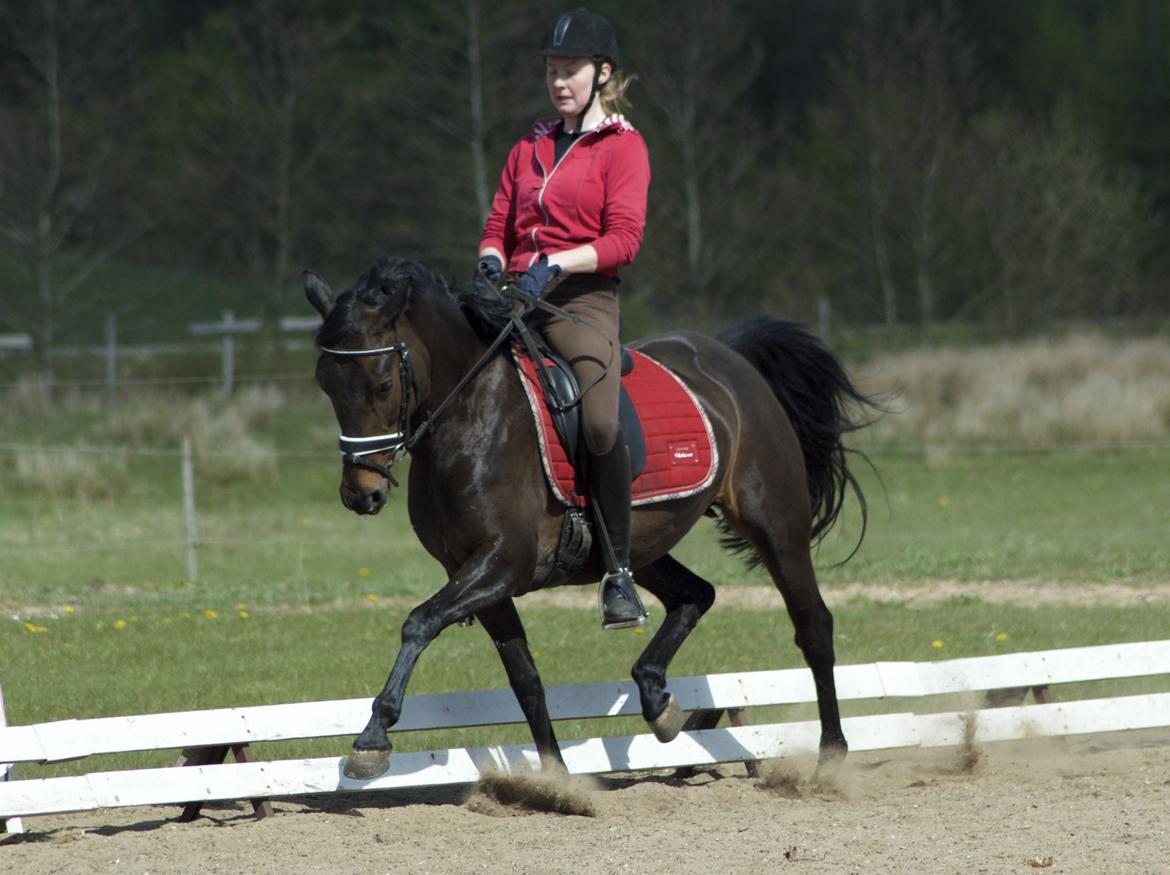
[(609, 484)]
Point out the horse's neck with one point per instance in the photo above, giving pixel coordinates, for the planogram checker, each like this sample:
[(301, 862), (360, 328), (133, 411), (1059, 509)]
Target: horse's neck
[(453, 349)]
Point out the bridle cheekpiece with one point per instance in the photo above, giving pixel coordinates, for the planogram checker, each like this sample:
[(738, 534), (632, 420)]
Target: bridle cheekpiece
[(355, 449)]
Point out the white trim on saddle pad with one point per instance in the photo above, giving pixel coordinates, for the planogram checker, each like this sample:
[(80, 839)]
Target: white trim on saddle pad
[(535, 398)]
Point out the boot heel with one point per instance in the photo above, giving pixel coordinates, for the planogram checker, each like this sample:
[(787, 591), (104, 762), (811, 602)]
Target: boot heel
[(618, 602)]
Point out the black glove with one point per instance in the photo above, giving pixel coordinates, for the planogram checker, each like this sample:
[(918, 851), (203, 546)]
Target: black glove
[(536, 279), (488, 274)]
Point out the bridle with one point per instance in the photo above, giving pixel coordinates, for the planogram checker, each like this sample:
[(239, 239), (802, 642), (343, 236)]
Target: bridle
[(355, 449)]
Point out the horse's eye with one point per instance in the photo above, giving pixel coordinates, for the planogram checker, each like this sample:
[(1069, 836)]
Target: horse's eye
[(385, 388)]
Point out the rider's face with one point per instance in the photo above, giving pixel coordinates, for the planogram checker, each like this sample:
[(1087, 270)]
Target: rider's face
[(569, 81)]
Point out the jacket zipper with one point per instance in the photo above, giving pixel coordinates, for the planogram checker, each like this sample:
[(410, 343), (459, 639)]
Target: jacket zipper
[(540, 197)]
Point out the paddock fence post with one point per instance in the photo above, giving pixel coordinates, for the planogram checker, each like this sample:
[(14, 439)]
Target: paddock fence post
[(11, 824), (189, 512)]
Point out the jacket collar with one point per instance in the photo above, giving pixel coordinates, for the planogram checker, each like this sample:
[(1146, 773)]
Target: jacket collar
[(545, 126)]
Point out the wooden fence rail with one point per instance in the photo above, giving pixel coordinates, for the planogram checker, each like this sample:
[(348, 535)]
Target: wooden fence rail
[(237, 728)]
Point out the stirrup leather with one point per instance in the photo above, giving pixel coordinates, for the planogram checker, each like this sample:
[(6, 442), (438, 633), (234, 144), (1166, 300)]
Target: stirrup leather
[(625, 616)]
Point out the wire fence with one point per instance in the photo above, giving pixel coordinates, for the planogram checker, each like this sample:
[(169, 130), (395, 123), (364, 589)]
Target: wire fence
[(159, 508)]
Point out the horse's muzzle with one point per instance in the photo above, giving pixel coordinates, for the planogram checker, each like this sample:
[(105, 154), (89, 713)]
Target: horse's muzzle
[(364, 502)]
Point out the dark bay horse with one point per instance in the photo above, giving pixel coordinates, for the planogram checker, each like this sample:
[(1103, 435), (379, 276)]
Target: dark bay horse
[(407, 363)]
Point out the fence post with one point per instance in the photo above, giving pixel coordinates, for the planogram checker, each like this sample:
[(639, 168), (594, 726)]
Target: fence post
[(229, 352), (10, 824), (823, 318), (189, 511), (111, 358)]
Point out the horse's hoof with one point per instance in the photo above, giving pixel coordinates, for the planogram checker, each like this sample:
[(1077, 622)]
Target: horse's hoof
[(829, 765), (363, 765), (667, 725)]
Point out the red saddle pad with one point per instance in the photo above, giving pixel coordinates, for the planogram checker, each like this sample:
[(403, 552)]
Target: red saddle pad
[(681, 456)]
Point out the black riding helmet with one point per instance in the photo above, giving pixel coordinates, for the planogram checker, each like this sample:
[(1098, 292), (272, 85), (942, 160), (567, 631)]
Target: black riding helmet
[(582, 34)]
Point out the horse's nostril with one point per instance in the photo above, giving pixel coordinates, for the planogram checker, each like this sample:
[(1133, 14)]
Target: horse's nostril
[(376, 498)]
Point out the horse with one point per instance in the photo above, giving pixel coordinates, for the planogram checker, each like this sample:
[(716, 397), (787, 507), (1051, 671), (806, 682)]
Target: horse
[(411, 363)]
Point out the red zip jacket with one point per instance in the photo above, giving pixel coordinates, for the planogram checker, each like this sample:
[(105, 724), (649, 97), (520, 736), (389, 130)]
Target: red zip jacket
[(596, 194)]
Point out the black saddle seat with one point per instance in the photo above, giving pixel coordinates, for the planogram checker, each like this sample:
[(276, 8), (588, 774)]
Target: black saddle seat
[(566, 417)]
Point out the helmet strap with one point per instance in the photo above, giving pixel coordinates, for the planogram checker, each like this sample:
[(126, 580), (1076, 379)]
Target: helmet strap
[(597, 62)]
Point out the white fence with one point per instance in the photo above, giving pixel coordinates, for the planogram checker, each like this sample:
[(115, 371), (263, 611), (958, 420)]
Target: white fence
[(201, 732)]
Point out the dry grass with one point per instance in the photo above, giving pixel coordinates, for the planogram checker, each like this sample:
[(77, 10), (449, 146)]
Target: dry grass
[(78, 474), (221, 430), (1081, 389)]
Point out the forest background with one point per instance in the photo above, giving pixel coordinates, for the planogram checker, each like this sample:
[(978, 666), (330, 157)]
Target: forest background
[(922, 164)]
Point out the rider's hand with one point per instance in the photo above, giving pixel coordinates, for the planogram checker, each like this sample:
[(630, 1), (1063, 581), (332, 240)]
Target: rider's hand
[(488, 274), (536, 279)]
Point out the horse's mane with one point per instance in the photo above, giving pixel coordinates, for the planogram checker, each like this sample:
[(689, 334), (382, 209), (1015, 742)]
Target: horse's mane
[(486, 314)]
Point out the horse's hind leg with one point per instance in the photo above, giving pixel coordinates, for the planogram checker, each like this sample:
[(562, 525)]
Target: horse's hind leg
[(783, 547), (686, 597), (502, 623)]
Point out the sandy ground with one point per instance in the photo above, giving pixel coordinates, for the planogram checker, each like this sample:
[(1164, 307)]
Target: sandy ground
[(1092, 804)]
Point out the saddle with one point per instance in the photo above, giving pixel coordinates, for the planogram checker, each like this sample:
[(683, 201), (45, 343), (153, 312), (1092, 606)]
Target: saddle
[(562, 396), (665, 427), (674, 457)]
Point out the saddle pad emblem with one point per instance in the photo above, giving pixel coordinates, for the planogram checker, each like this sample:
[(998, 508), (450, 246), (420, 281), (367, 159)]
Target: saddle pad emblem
[(681, 456)]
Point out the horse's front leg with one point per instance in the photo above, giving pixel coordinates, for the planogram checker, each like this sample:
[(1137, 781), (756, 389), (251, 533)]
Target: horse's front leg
[(484, 580), (502, 623)]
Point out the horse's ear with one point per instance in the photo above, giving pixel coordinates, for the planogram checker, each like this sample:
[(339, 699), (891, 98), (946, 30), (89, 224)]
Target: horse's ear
[(396, 300), (318, 293)]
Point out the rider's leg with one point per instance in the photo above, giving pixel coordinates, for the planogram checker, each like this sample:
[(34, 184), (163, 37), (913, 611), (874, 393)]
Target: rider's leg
[(609, 486), (595, 359)]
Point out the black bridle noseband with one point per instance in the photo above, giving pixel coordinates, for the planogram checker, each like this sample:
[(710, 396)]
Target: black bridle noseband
[(355, 449)]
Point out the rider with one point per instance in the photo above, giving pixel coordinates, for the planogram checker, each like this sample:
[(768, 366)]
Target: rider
[(569, 212)]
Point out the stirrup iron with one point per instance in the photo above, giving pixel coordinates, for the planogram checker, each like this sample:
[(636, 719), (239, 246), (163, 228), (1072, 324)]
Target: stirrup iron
[(618, 602)]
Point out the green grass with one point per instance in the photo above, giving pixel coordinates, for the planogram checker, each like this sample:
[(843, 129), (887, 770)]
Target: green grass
[(95, 662), (283, 537), (101, 536)]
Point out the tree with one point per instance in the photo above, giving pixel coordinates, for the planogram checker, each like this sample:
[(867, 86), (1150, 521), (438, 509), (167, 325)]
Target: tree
[(66, 157), (263, 125), (716, 224), (887, 141)]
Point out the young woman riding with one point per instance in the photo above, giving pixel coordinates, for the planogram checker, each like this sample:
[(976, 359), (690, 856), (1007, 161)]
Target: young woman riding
[(569, 212)]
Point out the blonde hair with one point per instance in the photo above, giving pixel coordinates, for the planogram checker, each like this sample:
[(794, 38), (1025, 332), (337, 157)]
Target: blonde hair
[(612, 95)]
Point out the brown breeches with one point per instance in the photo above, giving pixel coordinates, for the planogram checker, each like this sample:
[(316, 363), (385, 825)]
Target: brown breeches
[(590, 352)]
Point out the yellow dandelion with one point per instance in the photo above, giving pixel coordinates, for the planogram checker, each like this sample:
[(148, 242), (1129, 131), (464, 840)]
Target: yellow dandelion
[(944, 501), (186, 615), (937, 644), (69, 611), (640, 630), (363, 572), (372, 597), (120, 624), (35, 629), (240, 606), (535, 653), (1001, 636), (244, 615), (209, 614)]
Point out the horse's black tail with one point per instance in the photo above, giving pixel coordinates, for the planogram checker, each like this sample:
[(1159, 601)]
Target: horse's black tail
[(822, 404)]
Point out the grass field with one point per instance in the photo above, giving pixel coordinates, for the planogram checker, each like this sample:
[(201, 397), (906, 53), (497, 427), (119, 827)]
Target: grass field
[(298, 599)]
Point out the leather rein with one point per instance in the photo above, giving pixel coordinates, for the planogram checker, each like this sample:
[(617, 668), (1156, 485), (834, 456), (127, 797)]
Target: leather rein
[(356, 449)]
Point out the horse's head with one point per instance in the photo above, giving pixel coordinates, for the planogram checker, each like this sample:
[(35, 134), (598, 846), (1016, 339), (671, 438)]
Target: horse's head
[(374, 368)]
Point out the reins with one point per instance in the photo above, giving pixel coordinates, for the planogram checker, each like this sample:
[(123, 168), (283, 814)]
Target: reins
[(355, 449)]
